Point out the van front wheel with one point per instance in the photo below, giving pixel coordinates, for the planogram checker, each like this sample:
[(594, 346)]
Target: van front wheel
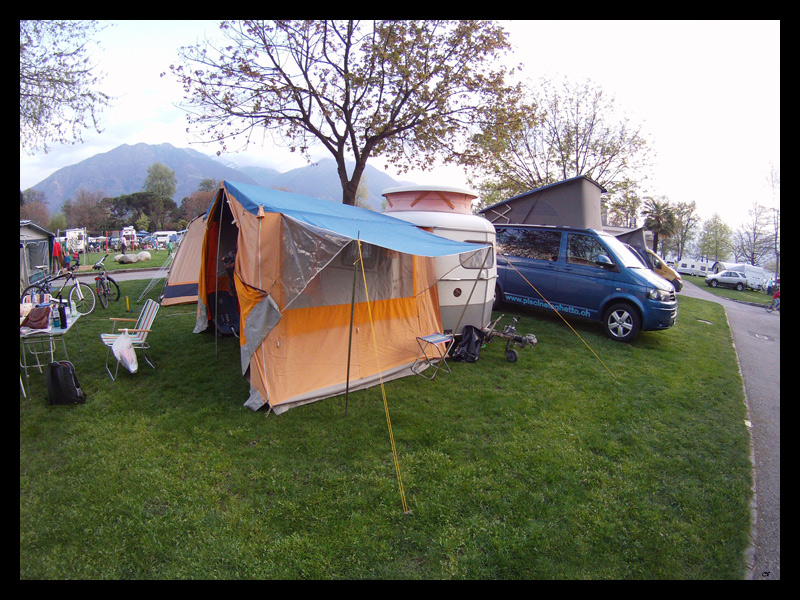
[(498, 298), (621, 323)]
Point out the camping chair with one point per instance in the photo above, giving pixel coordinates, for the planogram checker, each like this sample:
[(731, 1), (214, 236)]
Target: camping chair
[(138, 333), (427, 357)]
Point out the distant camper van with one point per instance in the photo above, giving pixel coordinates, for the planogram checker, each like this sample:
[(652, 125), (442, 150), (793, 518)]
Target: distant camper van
[(162, 237), (583, 273)]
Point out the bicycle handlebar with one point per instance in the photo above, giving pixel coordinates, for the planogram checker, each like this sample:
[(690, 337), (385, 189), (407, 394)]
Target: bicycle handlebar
[(99, 264)]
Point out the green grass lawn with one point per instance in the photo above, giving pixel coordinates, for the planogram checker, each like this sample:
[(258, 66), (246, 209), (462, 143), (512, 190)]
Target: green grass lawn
[(547, 468), (157, 259)]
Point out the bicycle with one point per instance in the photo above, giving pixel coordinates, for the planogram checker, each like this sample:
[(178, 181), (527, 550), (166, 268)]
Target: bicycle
[(80, 294), (771, 305), (106, 288)]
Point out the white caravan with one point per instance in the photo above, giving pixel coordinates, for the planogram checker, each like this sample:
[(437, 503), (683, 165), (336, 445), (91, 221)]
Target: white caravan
[(466, 289), (76, 240), (691, 266), (162, 237)]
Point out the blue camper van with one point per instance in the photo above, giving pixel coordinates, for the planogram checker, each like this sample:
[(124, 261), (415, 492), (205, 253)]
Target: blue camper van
[(583, 273)]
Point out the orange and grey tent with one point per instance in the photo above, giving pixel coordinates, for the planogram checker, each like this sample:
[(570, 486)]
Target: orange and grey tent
[(181, 285), (318, 283)]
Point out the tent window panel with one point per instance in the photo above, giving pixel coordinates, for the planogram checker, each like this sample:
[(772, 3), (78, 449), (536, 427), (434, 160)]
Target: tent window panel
[(389, 275), (38, 254)]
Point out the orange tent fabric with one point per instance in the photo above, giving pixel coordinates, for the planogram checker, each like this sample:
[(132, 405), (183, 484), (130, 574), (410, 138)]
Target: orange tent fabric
[(181, 285), (294, 283)]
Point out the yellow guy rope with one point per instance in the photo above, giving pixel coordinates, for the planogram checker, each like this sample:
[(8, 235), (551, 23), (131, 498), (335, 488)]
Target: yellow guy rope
[(559, 314), (383, 390)]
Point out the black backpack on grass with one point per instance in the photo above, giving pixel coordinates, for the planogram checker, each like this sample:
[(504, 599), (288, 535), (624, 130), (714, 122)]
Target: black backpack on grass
[(62, 384), (469, 349)]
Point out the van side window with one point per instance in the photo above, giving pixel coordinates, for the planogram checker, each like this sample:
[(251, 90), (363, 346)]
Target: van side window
[(583, 250), (529, 243)]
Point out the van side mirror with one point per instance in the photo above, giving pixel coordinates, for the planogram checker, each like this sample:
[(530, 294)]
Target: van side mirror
[(604, 262)]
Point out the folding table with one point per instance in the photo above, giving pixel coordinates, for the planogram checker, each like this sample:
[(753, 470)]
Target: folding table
[(43, 341)]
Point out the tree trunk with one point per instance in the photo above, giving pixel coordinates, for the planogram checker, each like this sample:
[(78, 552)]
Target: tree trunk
[(350, 186)]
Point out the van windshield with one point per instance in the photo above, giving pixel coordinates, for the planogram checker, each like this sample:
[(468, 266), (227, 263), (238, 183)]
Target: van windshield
[(625, 256)]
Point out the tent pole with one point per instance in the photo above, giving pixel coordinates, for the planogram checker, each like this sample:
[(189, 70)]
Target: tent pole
[(350, 340)]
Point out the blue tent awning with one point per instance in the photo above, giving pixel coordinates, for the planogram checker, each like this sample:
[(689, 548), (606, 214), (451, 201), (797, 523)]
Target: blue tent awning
[(347, 221)]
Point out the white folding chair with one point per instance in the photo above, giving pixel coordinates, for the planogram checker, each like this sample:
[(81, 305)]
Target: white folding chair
[(138, 333)]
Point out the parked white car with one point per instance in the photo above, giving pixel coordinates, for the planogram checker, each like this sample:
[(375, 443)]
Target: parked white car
[(731, 279)]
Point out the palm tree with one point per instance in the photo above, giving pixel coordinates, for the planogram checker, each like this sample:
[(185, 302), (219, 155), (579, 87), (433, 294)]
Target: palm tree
[(659, 218)]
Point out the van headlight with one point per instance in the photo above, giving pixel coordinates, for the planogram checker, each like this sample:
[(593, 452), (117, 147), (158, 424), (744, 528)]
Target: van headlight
[(660, 295)]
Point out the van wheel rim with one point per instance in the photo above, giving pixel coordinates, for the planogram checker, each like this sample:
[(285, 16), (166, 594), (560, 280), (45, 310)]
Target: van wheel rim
[(620, 323)]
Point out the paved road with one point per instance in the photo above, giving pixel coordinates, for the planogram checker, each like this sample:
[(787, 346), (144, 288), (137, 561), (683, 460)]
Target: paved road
[(757, 337)]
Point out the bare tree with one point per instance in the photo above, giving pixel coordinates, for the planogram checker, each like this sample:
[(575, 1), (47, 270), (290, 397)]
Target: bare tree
[(752, 241), (86, 210), (410, 91), (623, 206), (568, 130), (57, 95), (774, 182), (686, 221)]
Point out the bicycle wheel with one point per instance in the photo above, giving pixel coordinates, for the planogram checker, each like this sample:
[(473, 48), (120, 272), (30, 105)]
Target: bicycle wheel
[(82, 296), (769, 306), (102, 292), (34, 288), (113, 290)]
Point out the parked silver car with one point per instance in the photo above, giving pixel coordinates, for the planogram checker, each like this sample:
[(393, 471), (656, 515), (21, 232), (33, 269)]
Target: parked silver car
[(731, 279)]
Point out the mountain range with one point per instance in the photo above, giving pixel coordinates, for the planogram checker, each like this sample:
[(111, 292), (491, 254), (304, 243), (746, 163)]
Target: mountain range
[(123, 171)]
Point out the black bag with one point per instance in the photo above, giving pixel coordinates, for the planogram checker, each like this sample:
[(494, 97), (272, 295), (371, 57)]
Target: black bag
[(62, 384), (469, 348)]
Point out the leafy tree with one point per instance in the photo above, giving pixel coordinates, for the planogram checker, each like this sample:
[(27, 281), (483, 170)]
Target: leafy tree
[(410, 91), (142, 223), (161, 181), (686, 221), (567, 130), (715, 240), (57, 95), (58, 222), (659, 218), (161, 212), (208, 185)]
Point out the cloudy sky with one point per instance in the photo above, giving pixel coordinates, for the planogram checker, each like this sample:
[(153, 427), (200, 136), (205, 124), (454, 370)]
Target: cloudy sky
[(706, 92)]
